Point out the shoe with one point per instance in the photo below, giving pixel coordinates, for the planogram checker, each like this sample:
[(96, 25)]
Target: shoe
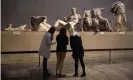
[(62, 75), (46, 75), (57, 75), (84, 74), (75, 75)]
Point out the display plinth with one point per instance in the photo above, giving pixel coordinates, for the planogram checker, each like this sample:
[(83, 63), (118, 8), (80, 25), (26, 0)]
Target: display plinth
[(30, 41)]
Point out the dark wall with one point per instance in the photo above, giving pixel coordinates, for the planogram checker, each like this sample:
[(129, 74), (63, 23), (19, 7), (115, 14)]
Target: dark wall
[(18, 12)]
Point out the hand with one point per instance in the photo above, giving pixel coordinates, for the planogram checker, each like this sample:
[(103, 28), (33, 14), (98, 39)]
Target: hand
[(54, 42)]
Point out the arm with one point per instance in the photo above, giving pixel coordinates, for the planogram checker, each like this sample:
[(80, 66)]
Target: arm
[(79, 17), (65, 19), (87, 13), (84, 14), (67, 40), (81, 39), (57, 38), (68, 18), (48, 39)]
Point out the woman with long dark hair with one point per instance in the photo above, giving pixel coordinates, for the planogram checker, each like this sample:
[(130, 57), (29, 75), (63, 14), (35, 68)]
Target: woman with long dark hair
[(62, 42), (44, 49), (75, 40)]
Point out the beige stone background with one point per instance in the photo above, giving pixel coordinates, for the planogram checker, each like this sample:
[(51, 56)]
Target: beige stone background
[(30, 41)]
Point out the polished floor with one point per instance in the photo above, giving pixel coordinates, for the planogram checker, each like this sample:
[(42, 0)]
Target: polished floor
[(26, 67)]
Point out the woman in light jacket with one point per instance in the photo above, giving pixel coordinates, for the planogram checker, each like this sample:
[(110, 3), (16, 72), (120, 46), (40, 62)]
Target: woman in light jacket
[(44, 49)]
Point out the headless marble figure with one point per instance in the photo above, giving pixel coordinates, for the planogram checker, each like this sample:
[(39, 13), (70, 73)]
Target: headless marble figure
[(9, 28), (20, 28), (71, 22), (118, 9), (90, 23), (39, 23), (104, 24), (44, 26)]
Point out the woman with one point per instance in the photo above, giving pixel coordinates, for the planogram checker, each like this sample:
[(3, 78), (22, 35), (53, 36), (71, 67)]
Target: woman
[(78, 53), (62, 42), (44, 49), (75, 39)]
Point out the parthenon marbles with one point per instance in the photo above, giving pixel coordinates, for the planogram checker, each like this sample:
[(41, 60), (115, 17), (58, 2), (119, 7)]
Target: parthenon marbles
[(118, 9), (39, 23)]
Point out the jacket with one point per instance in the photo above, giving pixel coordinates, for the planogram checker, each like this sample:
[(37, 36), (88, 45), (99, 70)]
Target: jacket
[(45, 46)]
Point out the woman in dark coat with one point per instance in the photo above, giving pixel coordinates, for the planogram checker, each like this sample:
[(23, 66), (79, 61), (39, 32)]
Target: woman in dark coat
[(62, 42), (78, 53)]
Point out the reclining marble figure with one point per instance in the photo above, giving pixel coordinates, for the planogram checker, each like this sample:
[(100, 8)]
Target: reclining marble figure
[(69, 23), (39, 23), (20, 28), (9, 28), (118, 9), (78, 26)]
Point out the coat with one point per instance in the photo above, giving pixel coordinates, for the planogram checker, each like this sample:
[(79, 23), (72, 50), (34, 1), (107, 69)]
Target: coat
[(45, 46), (62, 42), (76, 46)]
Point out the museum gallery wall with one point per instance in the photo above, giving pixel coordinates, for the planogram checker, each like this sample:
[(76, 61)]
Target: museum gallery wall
[(40, 15)]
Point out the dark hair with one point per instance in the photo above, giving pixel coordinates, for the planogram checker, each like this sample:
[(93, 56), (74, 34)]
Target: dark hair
[(62, 31), (51, 31)]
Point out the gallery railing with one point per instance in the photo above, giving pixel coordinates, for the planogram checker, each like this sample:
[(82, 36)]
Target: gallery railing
[(109, 59)]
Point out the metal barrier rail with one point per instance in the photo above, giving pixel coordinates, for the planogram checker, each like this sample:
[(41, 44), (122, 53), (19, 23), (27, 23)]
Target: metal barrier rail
[(25, 52), (19, 52)]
